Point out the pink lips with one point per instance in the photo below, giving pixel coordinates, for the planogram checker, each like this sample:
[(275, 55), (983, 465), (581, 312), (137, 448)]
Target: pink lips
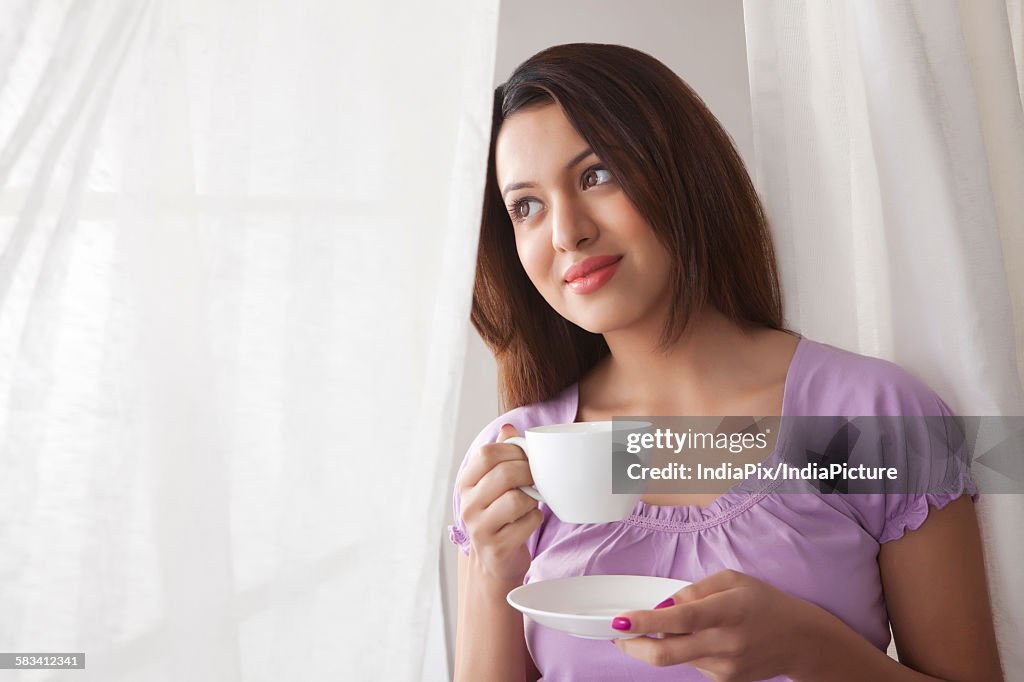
[(591, 274)]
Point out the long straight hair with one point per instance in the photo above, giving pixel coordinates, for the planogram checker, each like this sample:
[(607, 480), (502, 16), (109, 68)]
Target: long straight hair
[(678, 167)]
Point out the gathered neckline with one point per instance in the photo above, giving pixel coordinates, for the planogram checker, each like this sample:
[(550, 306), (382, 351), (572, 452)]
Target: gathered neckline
[(732, 502)]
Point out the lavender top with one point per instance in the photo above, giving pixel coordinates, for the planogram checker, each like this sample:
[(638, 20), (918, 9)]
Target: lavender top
[(821, 548)]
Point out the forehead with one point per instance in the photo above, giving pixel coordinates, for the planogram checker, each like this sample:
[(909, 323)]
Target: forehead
[(534, 143)]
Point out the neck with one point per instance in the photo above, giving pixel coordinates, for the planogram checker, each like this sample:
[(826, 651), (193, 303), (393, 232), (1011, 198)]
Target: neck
[(713, 361)]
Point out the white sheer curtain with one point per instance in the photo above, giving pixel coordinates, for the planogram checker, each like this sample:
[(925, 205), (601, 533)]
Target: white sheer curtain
[(890, 151), (236, 253)]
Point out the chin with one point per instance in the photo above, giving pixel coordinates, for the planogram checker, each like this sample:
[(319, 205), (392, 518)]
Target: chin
[(598, 317), (596, 325)]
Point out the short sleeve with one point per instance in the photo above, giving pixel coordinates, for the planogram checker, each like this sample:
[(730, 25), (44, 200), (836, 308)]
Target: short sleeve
[(914, 510), (940, 469), (927, 446), (938, 459)]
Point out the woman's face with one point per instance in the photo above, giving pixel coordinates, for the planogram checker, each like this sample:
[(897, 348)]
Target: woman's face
[(582, 242)]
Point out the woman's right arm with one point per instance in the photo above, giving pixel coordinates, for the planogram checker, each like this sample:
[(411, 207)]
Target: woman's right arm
[(490, 643)]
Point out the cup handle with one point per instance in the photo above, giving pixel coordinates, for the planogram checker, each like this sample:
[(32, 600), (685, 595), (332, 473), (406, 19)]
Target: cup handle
[(528, 489)]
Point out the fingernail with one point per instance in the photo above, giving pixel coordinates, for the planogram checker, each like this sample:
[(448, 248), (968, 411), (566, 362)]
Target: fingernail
[(507, 426), (621, 623), (668, 602)]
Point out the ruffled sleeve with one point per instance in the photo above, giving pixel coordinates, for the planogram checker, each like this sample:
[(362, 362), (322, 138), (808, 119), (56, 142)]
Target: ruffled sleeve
[(914, 511), (928, 447), (938, 459), (942, 468)]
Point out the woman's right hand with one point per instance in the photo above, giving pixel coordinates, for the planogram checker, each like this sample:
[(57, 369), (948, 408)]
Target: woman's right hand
[(499, 517)]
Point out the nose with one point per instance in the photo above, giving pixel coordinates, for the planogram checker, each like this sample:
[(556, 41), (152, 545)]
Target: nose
[(571, 226)]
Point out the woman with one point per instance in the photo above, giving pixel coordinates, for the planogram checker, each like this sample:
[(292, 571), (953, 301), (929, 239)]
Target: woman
[(626, 268)]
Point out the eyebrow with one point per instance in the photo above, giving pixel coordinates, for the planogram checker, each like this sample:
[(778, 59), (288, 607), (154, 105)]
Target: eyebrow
[(569, 166)]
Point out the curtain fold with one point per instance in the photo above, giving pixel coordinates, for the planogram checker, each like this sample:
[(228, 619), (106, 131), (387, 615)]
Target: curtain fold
[(889, 145), (236, 259)]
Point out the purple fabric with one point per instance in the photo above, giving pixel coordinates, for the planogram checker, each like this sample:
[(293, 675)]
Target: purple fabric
[(821, 548)]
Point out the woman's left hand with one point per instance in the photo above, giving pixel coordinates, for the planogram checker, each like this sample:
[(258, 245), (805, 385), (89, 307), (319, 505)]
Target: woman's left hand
[(730, 626)]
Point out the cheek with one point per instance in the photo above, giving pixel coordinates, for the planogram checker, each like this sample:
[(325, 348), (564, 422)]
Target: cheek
[(536, 260)]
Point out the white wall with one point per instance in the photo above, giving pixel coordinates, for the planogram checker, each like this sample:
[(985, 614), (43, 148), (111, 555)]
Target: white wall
[(702, 40)]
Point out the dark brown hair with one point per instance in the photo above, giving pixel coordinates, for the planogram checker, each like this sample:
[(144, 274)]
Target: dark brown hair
[(676, 164)]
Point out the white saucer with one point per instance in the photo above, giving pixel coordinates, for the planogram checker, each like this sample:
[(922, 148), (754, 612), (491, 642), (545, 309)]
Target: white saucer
[(584, 606)]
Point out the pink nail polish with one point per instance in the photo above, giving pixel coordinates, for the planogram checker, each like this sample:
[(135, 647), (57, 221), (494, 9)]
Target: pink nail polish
[(668, 602), (621, 623)]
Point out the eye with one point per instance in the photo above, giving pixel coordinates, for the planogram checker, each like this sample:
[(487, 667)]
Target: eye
[(515, 210), (592, 177)]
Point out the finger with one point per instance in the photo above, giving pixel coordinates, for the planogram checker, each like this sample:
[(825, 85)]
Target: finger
[(672, 650), (505, 432), (708, 666), (487, 457), (520, 529), (478, 503), (691, 616), (511, 505), (693, 592), (714, 583), (508, 475)]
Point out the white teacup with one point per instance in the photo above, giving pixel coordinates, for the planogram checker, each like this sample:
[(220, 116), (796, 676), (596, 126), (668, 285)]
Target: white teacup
[(572, 469)]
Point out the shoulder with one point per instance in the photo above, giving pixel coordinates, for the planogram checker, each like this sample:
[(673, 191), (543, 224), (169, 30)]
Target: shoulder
[(831, 380), (933, 465)]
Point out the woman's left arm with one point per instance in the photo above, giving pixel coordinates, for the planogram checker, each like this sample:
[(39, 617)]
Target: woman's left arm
[(742, 628), (937, 596)]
